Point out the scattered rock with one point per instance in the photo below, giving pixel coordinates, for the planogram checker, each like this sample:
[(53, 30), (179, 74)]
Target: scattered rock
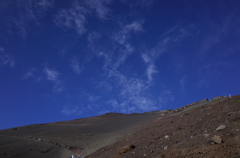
[(221, 127), (206, 135), (126, 149), (216, 139), (231, 113), (165, 148), (166, 136)]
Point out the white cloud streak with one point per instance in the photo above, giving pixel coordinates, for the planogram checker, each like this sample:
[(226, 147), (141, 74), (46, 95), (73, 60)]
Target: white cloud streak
[(100, 7), (73, 18), (122, 39), (71, 110), (30, 73), (168, 40), (45, 3), (52, 76), (124, 34), (142, 3), (133, 94), (183, 83), (6, 59), (75, 66), (165, 97), (24, 12), (150, 71)]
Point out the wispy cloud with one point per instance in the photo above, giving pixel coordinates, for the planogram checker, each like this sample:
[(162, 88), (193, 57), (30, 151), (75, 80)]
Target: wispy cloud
[(132, 94), (24, 13), (73, 18), (92, 98), (183, 83), (6, 59), (125, 32), (100, 7), (142, 3), (45, 3), (71, 110), (52, 76), (150, 57), (150, 71), (29, 73), (210, 72), (167, 41), (122, 37), (32, 73), (92, 37), (165, 97), (75, 66)]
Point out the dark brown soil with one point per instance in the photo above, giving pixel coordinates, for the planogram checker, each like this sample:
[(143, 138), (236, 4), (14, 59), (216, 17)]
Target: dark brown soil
[(185, 135)]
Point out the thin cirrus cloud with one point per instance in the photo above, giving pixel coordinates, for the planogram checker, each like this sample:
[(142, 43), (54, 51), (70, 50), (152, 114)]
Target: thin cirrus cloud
[(45, 3), (132, 93), (122, 35), (75, 66), (165, 97), (6, 59), (52, 76), (73, 18), (183, 83), (142, 3), (71, 110), (150, 71), (29, 73), (168, 40), (25, 12), (100, 7)]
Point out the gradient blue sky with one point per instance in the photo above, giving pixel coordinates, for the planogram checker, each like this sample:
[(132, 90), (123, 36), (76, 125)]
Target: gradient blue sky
[(69, 59)]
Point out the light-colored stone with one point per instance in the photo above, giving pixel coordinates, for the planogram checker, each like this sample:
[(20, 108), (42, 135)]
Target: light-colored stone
[(216, 139), (206, 135), (165, 148), (221, 127), (126, 149)]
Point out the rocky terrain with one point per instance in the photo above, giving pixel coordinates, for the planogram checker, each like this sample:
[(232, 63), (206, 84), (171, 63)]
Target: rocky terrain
[(207, 129), (61, 139)]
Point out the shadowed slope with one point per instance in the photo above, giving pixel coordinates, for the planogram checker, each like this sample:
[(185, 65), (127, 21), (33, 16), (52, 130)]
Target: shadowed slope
[(88, 134)]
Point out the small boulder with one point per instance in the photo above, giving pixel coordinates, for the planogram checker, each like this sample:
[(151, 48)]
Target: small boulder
[(206, 135), (165, 148), (221, 127), (126, 148), (216, 139)]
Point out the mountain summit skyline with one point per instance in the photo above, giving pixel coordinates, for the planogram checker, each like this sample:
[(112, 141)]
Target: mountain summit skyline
[(61, 60)]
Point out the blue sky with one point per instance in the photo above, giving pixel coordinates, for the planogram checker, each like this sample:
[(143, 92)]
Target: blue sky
[(63, 60)]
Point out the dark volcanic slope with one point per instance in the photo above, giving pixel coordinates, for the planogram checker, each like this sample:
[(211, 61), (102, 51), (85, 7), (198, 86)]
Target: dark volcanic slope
[(88, 134), (185, 132), (189, 134)]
